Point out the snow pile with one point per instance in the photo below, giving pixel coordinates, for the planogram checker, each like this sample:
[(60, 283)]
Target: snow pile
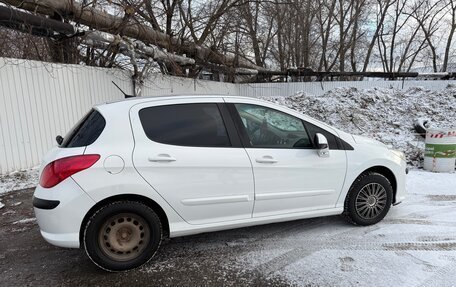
[(387, 115), (18, 180)]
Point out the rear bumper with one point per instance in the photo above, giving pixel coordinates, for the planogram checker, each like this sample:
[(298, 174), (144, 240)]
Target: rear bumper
[(67, 240), (59, 212)]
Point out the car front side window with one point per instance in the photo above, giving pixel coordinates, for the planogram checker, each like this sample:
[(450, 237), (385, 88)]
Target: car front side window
[(269, 128)]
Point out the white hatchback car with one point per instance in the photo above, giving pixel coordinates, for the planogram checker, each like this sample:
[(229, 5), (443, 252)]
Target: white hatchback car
[(133, 172)]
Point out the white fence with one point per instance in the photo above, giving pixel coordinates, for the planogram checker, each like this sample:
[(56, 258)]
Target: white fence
[(40, 100), (158, 84)]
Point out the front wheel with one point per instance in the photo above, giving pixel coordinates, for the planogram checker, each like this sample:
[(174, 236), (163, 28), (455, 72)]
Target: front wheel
[(369, 199), (122, 235)]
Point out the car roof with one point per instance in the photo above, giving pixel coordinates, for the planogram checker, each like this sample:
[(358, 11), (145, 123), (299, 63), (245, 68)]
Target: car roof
[(137, 100)]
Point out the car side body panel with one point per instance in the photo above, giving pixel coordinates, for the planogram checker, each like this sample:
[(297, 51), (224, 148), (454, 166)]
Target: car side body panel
[(367, 157), (292, 180), (203, 184), (102, 180)]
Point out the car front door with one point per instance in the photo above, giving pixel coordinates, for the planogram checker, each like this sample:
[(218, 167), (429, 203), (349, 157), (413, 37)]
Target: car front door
[(190, 153), (289, 174)]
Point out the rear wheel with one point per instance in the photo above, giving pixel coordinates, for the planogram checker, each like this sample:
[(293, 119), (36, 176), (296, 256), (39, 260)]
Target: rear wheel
[(122, 235), (369, 199)]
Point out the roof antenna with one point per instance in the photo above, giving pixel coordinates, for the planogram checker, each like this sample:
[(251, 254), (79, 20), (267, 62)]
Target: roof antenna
[(125, 94)]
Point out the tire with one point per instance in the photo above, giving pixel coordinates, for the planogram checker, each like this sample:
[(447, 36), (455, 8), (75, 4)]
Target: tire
[(421, 126), (122, 235), (369, 199)]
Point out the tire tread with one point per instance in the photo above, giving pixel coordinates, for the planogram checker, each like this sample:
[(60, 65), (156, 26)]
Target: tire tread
[(353, 192), (110, 205)]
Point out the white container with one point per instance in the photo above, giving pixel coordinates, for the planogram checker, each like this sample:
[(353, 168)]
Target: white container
[(440, 151)]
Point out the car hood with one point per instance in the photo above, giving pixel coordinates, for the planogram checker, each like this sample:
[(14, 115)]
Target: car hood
[(368, 141)]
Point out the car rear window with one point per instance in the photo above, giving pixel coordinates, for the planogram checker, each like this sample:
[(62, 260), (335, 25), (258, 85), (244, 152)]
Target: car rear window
[(86, 131), (197, 125)]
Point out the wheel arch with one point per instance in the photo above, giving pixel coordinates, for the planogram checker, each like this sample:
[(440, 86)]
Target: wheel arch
[(388, 173), (129, 197)]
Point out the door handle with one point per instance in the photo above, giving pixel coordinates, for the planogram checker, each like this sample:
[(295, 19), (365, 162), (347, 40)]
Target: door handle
[(162, 158), (266, 159)]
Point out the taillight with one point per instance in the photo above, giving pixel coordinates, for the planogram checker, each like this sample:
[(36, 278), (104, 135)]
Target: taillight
[(59, 170)]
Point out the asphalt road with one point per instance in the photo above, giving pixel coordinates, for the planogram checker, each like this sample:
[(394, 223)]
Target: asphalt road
[(201, 260)]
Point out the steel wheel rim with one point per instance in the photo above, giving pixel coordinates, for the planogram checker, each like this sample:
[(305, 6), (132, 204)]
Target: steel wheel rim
[(371, 201), (124, 237)]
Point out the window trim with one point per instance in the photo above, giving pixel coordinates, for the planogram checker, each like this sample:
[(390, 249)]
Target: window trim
[(230, 126), (340, 143), (243, 132), (231, 133), (245, 140)]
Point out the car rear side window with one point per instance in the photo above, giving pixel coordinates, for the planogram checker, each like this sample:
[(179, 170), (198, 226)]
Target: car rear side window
[(197, 125), (86, 131)]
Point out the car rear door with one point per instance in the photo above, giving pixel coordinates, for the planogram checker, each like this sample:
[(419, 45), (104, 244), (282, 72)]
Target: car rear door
[(188, 150), (289, 174)]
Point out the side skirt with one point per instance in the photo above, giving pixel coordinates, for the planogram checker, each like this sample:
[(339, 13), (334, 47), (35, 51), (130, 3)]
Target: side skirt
[(183, 229)]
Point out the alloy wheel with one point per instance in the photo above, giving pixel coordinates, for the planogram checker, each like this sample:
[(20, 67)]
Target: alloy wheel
[(371, 200)]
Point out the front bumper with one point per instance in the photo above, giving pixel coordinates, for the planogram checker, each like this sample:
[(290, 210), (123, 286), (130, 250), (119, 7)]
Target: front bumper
[(59, 212), (401, 191)]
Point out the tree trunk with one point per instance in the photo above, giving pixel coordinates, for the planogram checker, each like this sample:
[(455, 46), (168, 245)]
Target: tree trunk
[(450, 36), (100, 20)]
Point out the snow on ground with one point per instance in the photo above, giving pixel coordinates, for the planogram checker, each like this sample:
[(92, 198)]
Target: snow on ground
[(415, 245), (387, 115), (25, 221), (18, 180)]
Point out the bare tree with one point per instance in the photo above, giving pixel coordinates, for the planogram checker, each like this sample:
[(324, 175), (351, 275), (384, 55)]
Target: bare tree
[(428, 16), (225, 35), (452, 26), (383, 8), (390, 39), (19, 45), (325, 22)]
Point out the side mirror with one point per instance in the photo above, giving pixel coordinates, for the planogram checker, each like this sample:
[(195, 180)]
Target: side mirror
[(322, 145), (59, 139)]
